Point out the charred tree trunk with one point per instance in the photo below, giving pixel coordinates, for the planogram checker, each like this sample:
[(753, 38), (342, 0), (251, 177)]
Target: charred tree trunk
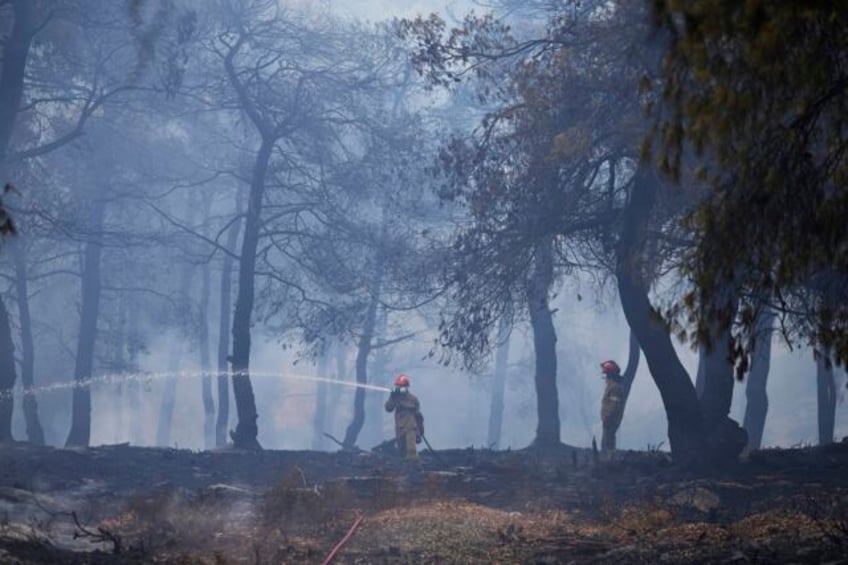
[(496, 406), (685, 425), (629, 373), (245, 434), (320, 417), (362, 353), (7, 375), (718, 375), (701, 376), (80, 434), (756, 407), (373, 429), (826, 388), (169, 397), (119, 366), (16, 46), (225, 301), (544, 345), (34, 431), (136, 428), (205, 364)]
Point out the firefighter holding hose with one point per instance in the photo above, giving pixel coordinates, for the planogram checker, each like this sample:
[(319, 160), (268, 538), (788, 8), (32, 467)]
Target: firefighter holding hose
[(409, 423)]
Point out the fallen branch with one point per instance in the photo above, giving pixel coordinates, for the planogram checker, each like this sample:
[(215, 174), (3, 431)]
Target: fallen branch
[(433, 451), (328, 436), (343, 541), (101, 535)]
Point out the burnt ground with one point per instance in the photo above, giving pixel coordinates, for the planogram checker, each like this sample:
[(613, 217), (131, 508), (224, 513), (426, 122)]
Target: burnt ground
[(124, 504)]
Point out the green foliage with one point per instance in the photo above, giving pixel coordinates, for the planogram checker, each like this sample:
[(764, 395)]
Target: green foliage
[(756, 104)]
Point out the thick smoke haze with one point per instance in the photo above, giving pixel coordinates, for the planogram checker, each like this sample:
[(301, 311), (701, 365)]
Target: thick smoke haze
[(172, 155)]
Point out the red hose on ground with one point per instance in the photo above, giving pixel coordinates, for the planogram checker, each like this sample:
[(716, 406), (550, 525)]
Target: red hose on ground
[(343, 541)]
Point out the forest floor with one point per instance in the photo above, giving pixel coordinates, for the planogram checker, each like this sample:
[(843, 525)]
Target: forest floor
[(143, 505)]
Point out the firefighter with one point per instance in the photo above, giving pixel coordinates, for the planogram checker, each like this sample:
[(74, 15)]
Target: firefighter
[(409, 423), (612, 404)]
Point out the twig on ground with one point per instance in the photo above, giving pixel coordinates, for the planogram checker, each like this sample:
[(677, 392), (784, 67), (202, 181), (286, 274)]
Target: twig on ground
[(101, 535)]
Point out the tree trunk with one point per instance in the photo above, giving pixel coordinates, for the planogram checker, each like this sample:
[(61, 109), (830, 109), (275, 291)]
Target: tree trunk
[(34, 431), (496, 406), (16, 46), (205, 364), (169, 397), (136, 428), (362, 353), (7, 375), (119, 366), (629, 373), (225, 301), (701, 376), (685, 426), (718, 370), (544, 345), (320, 418), (826, 388), (334, 395), (756, 407), (80, 434), (245, 434), (372, 433)]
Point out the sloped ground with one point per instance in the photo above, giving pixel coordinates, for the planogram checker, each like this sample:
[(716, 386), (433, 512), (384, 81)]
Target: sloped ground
[(141, 505)]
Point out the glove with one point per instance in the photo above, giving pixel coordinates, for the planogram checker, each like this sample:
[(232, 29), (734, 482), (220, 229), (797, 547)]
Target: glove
[(418, 438)]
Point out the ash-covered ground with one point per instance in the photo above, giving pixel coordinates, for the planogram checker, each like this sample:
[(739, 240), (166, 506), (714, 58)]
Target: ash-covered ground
[(140, 505)]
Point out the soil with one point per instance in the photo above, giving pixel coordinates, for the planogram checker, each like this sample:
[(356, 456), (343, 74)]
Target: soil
[(124, 504)]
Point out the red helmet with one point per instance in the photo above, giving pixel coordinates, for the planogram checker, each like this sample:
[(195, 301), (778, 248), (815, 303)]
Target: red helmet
[(402, 381), (610, 366)]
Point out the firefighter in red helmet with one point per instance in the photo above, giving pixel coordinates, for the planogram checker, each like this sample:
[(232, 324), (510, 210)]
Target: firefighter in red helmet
[(612, 404), (409, 423)]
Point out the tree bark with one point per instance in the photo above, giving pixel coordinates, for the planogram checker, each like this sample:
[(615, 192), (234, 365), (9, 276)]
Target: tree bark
[(629, 374), (205, 363), (544, 345), (826, 388), (718, 375), (685, 425), (496, 407), (136, 427), (119, 366), (334, 394), (701, 375), (362, 353), (80, 433), (34, 431), (372, 433), (245, 434), (7, 375), (225, 301), (756, 407), (16, 47)]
